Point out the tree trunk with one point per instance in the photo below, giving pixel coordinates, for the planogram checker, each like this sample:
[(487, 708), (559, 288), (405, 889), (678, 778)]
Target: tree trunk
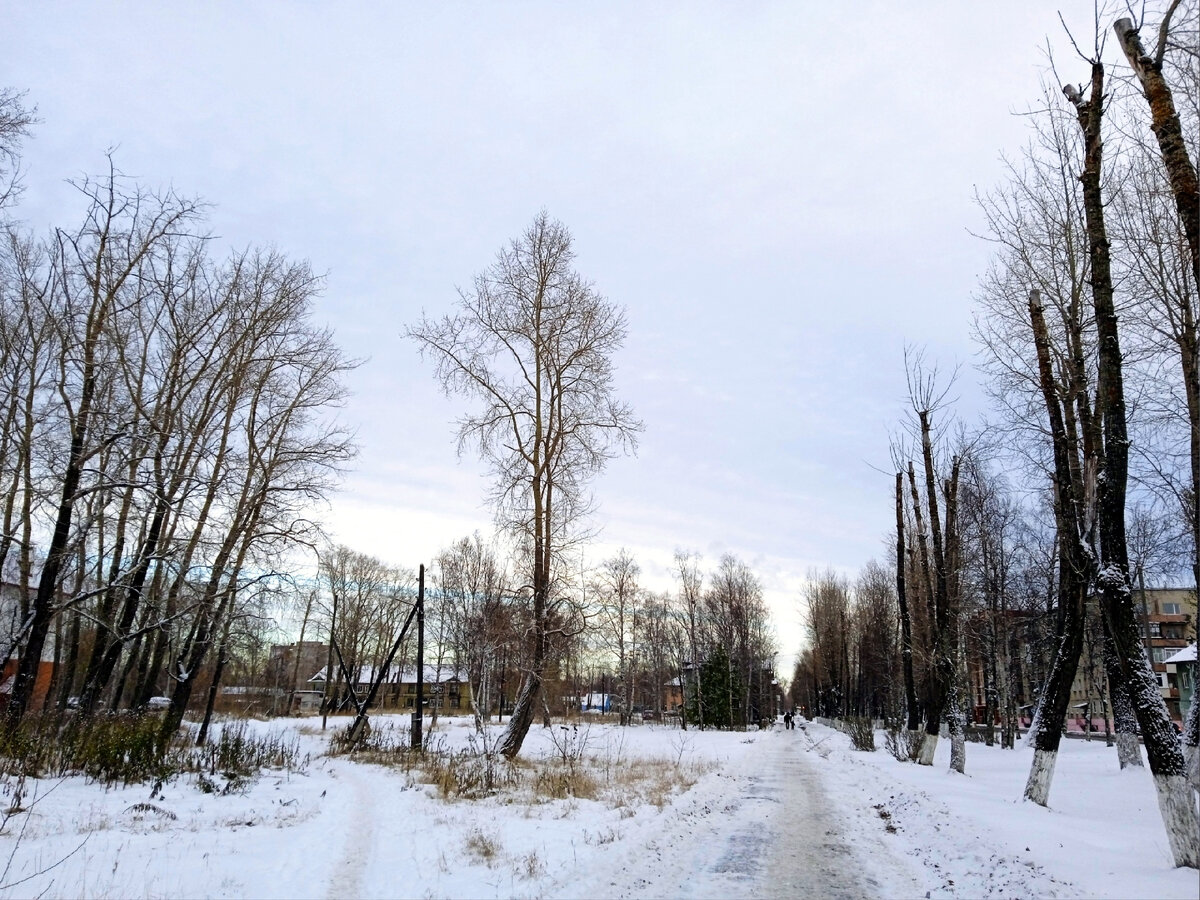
[(1163, 748), (214, 685), (1181, 174), (912, 710), (1164, 121), (291, 702), (1191, 739), (1046, 729), (1124, 719), (529, 695), (104, 663)]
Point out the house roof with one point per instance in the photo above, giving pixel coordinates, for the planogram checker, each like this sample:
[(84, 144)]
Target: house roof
[(1187, 654), (405, 675)]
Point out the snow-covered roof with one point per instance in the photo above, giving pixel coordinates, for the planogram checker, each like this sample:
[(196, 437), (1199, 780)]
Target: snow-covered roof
[(1187, 654), (407, 675)]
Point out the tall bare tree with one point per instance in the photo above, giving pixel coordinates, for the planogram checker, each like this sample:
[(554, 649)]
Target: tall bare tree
[(1163, 748), (534, 342), (96, 274), (939, 556)]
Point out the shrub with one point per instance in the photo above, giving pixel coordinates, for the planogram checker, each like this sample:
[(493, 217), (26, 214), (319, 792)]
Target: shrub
[(110, 748), (484, 847), (243, 754), (903, 744), (123, 748), (861, 730)]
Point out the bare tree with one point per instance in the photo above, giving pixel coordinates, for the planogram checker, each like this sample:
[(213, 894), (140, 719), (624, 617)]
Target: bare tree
[(875, 643), (1039, 221), (660, 637), (476, 599), (690, 611), (15, 121), (617, 598), (735, 617), (95, 275), (363, 606), (939, 556), (1163, 748), (826, 613), (534, 343), (990, 517), (911, 706)]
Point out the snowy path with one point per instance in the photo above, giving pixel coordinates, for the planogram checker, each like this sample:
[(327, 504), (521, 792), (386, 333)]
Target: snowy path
[(771, 831), (346, 877)]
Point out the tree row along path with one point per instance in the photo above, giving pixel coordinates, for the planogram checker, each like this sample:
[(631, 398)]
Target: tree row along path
[(770, 831)]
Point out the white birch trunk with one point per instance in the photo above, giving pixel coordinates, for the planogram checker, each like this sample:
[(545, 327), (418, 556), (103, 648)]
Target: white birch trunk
[(1178, 809), (1037, 788), (958, 753), (928, 746)]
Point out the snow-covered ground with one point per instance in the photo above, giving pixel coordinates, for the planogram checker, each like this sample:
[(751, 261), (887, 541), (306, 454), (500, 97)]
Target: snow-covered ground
[(342, 828), (973, 836)]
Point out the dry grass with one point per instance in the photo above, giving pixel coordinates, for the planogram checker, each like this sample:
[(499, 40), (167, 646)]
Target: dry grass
[(575, 768), (551, 780), (484, 847), (529, 867)]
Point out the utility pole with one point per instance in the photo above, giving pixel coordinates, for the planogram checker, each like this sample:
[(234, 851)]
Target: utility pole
[(326, 699), (420, 710)]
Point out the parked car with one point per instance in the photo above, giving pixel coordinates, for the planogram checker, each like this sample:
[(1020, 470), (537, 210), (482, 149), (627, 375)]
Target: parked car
[(158, 703)]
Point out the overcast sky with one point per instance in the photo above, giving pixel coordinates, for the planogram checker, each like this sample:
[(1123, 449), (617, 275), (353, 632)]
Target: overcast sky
[(779, 194)]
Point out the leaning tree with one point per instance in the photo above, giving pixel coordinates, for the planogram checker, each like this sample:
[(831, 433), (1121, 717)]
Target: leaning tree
[(533, 343)]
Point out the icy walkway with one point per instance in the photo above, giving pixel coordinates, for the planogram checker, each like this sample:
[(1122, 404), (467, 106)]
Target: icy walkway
[(765, 829)]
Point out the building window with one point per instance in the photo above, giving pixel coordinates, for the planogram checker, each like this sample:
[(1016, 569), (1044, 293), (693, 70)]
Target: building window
[(1155, 629), (1171, 609)]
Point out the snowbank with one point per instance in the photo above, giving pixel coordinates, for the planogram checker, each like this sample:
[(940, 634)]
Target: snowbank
[(974, 836)]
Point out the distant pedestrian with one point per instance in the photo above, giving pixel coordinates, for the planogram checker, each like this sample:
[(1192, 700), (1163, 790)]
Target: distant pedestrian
[(787, 721)]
